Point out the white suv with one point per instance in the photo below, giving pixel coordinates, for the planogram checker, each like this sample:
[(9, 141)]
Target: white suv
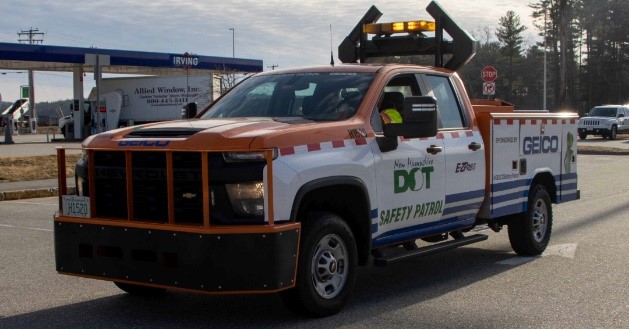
[(606, 121)]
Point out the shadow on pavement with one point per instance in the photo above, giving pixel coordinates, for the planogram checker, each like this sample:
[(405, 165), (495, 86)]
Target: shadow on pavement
[(378, 291)]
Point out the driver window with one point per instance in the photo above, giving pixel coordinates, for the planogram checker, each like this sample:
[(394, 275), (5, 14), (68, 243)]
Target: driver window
[(448, 107), (392, 97)]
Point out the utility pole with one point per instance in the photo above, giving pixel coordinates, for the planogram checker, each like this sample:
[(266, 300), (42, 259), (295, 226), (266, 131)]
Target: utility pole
[(272, 67), (30, 36), (233, 41)]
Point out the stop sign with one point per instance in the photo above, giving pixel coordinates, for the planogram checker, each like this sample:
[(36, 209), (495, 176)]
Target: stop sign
[(489, 74)]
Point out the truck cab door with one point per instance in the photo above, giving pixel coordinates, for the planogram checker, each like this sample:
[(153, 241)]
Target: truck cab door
[(410, 178), (464, 155)]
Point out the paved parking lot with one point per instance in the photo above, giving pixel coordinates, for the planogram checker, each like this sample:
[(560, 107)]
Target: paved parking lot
[(35, 144), (581, 281)]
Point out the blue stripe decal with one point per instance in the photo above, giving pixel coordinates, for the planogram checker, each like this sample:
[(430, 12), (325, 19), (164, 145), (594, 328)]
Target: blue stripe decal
[(464, 196), (569, 197), (509, 210), (508, 185), (509, 197), (566, 176), (472, 206), (562, 186), (461, 197), (569, 186), (408, 233), (374, 214)]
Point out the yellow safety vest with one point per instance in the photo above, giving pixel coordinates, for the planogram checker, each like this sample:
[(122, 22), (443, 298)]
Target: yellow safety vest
[(391, 116)]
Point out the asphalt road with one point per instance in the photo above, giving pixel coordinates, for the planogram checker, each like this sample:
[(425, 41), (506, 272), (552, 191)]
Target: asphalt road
[(581, 281)]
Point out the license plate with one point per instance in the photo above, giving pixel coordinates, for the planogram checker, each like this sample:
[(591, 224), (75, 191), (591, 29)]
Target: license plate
[(76, 206)]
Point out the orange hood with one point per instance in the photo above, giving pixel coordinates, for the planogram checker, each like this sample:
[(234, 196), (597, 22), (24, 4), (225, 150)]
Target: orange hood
[(227, 134)]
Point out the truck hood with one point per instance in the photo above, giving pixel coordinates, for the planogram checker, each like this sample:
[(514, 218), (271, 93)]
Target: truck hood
[(225, 134)]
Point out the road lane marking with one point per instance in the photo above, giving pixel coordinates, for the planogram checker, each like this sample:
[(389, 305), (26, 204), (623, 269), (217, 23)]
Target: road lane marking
[(567, 250), (27, 228), (564, 250), (36, 203)]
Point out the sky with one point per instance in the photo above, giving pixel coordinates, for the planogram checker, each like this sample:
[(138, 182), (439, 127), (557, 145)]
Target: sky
[(285, 33)]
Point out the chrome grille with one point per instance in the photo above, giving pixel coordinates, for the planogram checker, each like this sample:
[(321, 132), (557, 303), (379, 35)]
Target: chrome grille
[(590, 122)]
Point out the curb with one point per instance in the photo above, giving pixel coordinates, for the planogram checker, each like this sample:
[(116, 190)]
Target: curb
[(34, 193), (599, 151)]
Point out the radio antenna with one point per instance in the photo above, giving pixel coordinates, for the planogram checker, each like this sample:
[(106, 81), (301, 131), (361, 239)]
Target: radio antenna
[(331, 52)]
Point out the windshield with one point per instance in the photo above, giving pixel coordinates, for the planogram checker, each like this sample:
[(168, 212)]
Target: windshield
[(603, 112), (312, 96)]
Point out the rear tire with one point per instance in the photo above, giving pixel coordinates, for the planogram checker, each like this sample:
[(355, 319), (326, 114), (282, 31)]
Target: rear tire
[(327, 267), (137, 290), (529, 233)]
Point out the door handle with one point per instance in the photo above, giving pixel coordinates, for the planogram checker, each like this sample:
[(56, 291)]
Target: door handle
[(434, 149), (474, 146)]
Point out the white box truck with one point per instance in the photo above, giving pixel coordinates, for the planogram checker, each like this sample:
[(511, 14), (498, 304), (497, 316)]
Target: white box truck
[(136, 100)]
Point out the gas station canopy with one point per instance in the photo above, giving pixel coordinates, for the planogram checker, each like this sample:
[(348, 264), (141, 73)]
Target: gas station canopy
[(79, 60), (58, 58)]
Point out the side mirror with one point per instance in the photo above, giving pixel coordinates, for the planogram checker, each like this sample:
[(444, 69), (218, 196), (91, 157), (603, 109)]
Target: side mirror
[(419, 119), (189, 111), (621, 115)]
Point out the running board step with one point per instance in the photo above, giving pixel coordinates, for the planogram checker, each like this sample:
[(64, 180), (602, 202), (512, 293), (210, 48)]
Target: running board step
[(429, 250)]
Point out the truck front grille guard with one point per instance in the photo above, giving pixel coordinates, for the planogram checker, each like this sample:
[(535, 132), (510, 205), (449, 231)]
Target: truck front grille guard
[(113, 176)]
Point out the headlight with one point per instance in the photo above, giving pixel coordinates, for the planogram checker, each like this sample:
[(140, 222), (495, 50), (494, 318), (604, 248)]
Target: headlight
[(247, 156), (247, 199)]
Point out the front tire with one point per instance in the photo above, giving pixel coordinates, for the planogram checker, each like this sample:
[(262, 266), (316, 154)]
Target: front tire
[(326, 269), (529, 233), (583, 135), (613, 133)]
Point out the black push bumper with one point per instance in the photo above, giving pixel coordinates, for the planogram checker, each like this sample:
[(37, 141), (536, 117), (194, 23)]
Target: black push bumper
[(212, 263)]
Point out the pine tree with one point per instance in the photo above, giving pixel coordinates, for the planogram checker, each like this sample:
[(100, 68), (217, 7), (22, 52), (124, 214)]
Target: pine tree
[(509, 35)]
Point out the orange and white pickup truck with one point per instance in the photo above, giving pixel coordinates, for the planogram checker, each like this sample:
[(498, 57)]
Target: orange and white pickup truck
[(291, 180)]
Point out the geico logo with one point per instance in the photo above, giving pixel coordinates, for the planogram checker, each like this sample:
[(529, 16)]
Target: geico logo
[(537, 144), (144, 143), (413, 179)]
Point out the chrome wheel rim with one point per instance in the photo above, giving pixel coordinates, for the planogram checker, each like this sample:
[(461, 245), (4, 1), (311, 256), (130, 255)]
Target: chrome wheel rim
[(540, 220), (329, 266)]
